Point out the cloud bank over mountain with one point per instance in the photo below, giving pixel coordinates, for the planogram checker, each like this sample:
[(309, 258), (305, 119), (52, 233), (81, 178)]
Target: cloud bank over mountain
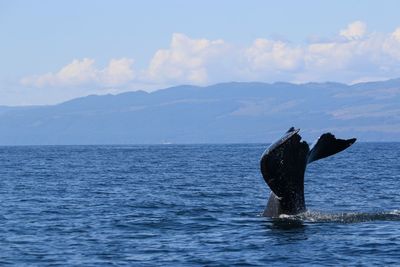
[(353, 55)]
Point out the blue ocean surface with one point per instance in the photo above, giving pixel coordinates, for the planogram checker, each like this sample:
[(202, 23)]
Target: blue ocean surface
[(193, 205)]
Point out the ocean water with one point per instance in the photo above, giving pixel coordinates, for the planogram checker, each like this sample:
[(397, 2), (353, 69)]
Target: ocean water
[(193, 205)]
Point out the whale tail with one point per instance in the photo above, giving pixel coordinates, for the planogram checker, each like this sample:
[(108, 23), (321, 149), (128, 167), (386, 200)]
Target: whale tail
[(328, 145), (283, 165)]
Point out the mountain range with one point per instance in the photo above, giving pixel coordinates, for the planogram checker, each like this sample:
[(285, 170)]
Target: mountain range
[(236, 112)]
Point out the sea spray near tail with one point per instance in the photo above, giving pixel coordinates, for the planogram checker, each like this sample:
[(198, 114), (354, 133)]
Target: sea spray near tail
[(345, 217), (283, 165)]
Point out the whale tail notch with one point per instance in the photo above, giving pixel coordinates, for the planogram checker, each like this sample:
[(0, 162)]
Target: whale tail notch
[(328, 145)]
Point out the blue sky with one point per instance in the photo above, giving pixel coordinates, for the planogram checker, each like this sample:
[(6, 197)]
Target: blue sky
[(52, 51)]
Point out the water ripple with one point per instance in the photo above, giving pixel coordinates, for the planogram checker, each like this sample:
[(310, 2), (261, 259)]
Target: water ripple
[(193, 205)]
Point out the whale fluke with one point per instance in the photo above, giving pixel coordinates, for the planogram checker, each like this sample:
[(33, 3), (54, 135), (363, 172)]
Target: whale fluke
[(283, 165), (327, 145)]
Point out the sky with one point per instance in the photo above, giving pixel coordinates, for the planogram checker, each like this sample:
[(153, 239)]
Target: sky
[(52, 51)]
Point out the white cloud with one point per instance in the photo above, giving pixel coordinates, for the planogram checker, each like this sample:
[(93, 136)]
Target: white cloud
[(392, 44), (354, 30), (352, 55), (118, 72), (83, 72), (186, 60), (270, 55)]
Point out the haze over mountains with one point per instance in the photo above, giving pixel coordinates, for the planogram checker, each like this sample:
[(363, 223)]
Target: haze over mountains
[(221, 113)]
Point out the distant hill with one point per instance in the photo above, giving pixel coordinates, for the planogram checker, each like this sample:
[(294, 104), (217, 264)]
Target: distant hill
[(221, 113)]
